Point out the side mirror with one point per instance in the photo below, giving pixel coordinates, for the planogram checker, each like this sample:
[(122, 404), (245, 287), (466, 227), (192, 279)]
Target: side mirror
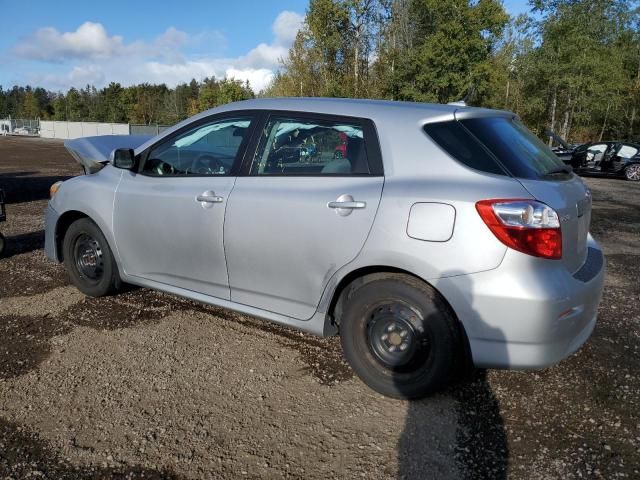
[(123, 158)]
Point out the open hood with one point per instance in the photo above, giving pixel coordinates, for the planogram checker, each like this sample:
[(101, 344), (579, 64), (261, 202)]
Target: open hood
[(93, 152)]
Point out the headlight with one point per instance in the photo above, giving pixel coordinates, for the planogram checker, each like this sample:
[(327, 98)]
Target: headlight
[(54, 188)]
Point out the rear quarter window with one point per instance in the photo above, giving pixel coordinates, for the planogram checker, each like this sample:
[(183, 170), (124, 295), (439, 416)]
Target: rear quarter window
[(515, 147), (454, 139), (497, 145)]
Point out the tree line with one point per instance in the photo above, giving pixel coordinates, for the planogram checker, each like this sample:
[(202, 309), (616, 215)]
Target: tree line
[(144, 103), (569, 65)]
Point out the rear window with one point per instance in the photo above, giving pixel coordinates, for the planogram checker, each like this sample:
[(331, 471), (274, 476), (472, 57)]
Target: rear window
[(497, 145)]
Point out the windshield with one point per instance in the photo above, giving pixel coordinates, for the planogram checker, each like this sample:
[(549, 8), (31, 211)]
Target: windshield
[(515, 147)]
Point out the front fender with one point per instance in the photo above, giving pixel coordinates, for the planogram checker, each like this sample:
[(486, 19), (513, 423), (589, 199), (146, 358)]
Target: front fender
[(91, 196)]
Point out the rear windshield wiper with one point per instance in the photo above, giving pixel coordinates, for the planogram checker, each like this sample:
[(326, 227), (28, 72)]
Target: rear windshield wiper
[(558, 171)]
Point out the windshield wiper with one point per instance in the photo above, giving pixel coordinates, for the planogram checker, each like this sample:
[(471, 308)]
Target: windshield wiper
[(559, 171)]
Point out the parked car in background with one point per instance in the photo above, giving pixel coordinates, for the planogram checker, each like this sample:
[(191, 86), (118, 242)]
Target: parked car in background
[(443, 234), (612, 159), (617, 159)]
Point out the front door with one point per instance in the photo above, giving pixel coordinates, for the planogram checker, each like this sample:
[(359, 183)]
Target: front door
[(596, 155), (169, 217), (301, 212)]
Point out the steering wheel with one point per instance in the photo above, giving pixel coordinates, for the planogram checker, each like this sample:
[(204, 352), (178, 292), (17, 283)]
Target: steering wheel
[(158, 167), (206, 164)]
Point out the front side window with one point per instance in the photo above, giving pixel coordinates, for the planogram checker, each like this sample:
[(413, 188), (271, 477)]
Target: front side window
[(209, 149), (291, 146)]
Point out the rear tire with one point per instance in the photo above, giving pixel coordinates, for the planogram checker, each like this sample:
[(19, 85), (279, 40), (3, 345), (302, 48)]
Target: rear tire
[(89, 260), (399, 335), (3, 244), (632, 172)]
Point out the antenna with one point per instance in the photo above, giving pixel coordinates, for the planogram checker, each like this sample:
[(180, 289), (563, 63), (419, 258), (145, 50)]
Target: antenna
[(463, 102)]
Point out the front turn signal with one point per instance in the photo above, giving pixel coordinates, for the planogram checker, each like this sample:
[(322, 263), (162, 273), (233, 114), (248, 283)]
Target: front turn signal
[(53, 189)]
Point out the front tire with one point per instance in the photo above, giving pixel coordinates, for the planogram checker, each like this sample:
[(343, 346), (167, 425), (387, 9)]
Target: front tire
[(3, 244), (399, 335), (632, 172), (89, 260)]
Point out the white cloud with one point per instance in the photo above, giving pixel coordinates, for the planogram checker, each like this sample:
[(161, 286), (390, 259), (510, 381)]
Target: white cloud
[(286, 27), (90, 40), (102, 59), (259, 78)]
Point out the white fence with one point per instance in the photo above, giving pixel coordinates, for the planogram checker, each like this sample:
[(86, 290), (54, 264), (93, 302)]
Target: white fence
[(19, 126), (49, 129)]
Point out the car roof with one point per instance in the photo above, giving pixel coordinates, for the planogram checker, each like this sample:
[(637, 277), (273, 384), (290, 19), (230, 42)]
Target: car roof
[(356, 107), (382, 112)]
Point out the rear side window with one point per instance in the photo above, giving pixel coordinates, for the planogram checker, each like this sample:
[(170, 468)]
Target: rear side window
[(454, 139), (303, 146), (496, 145)]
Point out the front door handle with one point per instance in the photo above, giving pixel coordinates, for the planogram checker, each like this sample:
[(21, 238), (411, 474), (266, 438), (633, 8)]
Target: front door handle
[(345, 204), (208, 198)]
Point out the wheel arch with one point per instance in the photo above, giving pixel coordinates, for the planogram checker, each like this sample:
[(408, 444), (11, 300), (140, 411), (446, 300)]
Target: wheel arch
[(369, 273), (64, 222), (62, 225)]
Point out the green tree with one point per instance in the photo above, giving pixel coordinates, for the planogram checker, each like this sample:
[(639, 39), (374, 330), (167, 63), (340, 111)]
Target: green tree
[(31, 109), (451, 53)]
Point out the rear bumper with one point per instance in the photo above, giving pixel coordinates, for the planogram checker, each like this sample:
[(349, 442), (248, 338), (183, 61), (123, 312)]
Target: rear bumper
[(50, 222), (528, 313)]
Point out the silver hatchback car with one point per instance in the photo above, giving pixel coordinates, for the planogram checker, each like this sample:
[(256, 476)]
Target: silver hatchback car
[(426, 235)]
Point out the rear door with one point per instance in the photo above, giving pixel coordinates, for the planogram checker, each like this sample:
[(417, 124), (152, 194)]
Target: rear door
[(544, 176), (294, 220), (625, 152)]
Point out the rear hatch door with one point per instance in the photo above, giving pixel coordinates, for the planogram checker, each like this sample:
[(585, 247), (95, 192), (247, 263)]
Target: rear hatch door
[(541, 173), (572, 202)]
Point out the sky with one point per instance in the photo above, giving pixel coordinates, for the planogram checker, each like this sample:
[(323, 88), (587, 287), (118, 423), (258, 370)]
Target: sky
[(61, 44)]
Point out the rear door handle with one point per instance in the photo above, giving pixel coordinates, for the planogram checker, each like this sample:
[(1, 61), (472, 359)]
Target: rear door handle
[(349, 205), (345, 204)]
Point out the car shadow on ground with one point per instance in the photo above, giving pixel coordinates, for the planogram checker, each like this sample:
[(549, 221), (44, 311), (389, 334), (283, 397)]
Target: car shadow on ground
[(27, 186), (23, 454), (480, 448), (23, 243)]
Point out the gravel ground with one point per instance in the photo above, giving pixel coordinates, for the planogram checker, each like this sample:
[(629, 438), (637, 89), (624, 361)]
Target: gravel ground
[(147, 385)]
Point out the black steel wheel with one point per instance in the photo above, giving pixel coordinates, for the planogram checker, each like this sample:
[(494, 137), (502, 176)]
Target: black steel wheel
[(395, 336), (398, 335), (89, 260)]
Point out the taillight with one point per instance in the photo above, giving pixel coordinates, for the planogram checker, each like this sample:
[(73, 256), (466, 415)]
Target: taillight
[(528, 226)]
